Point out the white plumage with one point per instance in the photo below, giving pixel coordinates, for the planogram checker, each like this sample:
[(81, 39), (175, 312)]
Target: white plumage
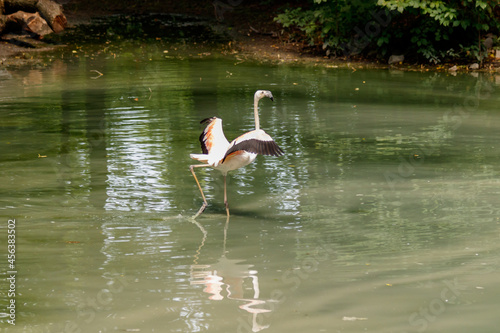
[(221, 155)]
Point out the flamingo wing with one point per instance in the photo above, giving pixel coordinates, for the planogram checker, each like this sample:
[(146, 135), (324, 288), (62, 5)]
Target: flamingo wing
[(212, 137), (257, 142), (213, 142)]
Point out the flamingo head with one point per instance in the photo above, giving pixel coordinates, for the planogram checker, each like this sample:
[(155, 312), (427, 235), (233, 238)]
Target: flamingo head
[(259, 94)]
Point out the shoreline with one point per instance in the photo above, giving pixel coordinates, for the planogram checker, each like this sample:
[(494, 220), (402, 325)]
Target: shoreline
[(269, 50), (247, 43)]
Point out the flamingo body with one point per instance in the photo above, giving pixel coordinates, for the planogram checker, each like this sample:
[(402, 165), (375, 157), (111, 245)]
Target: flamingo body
[(221, 155)]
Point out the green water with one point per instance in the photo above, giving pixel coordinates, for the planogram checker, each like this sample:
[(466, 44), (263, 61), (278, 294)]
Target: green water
[(382, 216)]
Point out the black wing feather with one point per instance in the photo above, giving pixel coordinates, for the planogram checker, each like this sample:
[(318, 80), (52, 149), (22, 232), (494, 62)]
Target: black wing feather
[(256, 146), (207, 121)]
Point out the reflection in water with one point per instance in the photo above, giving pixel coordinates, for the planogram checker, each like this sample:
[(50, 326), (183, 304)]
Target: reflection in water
[(95, 102), (135, 162), (230, 277)]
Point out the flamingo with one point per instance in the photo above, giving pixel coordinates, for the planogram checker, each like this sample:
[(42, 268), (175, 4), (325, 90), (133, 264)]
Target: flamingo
[(221, 155)]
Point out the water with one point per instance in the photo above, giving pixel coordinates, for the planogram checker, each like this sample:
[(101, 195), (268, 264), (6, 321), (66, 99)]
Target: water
[(382, 216)]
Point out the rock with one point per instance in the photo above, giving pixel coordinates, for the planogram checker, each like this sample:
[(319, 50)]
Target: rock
[(396, 58), (453, 69), (474, 66), (30, 22), (488, 41), (21, 13)]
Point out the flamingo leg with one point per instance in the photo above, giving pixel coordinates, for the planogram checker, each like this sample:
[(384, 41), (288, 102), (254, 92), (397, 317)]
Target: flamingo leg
[(204, 205), (225, 197)]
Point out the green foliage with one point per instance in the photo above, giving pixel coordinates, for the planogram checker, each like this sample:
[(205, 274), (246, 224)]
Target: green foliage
[(326, 23), (432, 30), (436, 28)]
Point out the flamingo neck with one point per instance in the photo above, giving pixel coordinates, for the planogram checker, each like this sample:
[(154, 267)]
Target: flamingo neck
[(256, 112)]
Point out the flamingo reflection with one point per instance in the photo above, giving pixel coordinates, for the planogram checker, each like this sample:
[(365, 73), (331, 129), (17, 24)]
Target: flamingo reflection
[(230, 277)]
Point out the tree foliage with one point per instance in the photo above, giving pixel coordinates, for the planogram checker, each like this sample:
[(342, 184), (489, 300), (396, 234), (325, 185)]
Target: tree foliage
[(326, 23), (421, 29)]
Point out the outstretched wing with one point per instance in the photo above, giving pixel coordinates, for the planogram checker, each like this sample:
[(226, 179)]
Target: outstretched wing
[(257, 142), (213, 137)]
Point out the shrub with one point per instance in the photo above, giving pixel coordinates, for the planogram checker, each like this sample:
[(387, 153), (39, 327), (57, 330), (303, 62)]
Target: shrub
[(430, 30)]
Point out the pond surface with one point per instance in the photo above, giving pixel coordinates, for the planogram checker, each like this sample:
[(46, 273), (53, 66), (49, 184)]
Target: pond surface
[(382, 216)]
